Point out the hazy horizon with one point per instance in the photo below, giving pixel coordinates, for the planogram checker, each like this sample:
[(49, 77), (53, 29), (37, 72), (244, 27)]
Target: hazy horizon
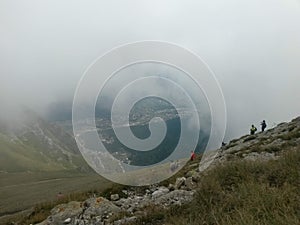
[(253, 47)]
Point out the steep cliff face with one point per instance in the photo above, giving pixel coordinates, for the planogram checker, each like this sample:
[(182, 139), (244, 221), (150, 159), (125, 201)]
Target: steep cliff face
[(233, 188)]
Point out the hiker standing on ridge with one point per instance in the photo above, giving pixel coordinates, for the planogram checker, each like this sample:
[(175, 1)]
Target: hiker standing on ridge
[(253, 129), (193, 156), (263, 125), (223, 146)]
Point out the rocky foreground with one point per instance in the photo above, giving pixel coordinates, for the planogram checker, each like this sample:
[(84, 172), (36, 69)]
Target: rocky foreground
[(129, 204)]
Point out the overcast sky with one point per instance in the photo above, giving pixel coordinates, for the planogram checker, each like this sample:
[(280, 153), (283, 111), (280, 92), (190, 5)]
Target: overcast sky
[(253, 46)]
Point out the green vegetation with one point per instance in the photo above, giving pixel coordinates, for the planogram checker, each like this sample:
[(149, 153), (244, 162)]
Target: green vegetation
[(252, 137), (35, 145), (17, 157), (20, 191), (291, 135), (259, 149), (115, 189), (236, 192), (241, 193), (30, 152)]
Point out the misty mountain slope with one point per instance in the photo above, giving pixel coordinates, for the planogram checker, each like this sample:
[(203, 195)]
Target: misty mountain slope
[(32, 144), (253, 180)]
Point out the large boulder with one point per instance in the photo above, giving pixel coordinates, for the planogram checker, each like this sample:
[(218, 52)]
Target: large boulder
[(133, 203), (92, 211), (126, 220), (99, 207), (179, 182), (177, 197), (189, 184), (160, 192), (62, 213)]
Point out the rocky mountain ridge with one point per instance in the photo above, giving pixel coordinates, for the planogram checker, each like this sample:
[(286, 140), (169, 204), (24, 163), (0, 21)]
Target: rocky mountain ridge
[(130, 204)]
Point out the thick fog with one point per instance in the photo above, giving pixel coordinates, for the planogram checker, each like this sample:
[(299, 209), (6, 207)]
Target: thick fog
[(253, 47)]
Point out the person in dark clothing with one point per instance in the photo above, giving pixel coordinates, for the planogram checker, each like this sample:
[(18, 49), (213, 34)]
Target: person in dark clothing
[(223, 147), (253, 129), (263, 125)]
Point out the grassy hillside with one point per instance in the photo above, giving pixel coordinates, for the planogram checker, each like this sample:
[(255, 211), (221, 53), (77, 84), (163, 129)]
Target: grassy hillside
[(253, 180), (36, 145), (23, 193), (39, 188), (256, 191), (245, 193), (18, 157), (239, 192)]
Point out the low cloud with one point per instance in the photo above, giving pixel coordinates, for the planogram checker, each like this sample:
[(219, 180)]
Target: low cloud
[(252, 46)]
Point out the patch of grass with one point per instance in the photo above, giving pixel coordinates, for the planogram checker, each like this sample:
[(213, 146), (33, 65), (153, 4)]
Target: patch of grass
[(291, 135), (264, 138), (271, 149), (153, 214), (289, 144), (115, 189), (119, 216), (244, 136), (256, 148), (188, 167), (235, 140), (256, 193), (231, 145), (252, 137), (259, 148), (20, 191), (291, 128)]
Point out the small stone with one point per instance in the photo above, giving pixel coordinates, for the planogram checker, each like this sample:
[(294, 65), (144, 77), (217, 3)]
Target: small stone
[(126, 220), (171, 187), (190, 173), (179, 182), (196, 177), (161, 191), (114, 197), (190, 185), (67, 221), (177, 197)]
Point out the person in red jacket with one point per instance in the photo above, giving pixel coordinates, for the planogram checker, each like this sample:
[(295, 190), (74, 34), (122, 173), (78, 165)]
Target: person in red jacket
[(193, 155)]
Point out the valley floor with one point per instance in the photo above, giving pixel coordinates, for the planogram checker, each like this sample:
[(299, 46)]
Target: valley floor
[(21, 191)]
